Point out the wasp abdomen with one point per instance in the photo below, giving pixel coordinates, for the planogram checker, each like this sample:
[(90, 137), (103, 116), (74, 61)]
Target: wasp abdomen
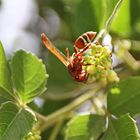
[(84, 39)]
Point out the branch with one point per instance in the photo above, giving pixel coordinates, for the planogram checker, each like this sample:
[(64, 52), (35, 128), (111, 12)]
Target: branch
[(130, 61), (46, 122), (108, 22), (56, 130), (72, 94)]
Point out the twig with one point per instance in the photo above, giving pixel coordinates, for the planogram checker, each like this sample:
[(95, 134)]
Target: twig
[(64, 112), (108, 22), (98, 109), (130, 61), (72, 94), (56, 130)]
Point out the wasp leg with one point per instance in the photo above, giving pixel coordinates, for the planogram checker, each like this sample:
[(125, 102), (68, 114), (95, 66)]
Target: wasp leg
[(67, 53), (85, 48), (68, 57), (76, 50), (99, 66)]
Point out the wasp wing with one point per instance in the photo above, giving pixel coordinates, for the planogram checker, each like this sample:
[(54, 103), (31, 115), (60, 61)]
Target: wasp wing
[(53, 49)]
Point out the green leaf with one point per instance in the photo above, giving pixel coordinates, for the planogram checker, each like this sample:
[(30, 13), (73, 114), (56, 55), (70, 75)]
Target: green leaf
[(29, 75), (124, 97), (123, 128), (85, 127), (15, 122), (123, 27), (51, 106), (127, 21), (92, 14), (6, 92)]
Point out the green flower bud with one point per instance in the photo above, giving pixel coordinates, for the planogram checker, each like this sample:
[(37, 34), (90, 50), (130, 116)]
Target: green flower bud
[(103, 81), (32, 138), (98, 64), (112, 77), (91, 69), (33, 135), (37, 137)]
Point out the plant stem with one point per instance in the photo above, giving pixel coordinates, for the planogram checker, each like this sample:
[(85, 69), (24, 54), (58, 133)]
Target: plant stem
[(47, 121), (72, 94), (108, 22), (56, 130), (98, 109), (130, 61)]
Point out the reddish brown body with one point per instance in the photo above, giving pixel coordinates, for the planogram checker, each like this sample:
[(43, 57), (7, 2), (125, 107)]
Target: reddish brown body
[(84, 39), (75, 66), (74, 63)]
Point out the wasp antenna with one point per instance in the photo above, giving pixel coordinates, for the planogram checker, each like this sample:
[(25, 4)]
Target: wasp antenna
[(53, 49)]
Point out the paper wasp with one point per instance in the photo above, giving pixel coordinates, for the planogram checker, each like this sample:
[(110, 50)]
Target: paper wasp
[(74, 63)]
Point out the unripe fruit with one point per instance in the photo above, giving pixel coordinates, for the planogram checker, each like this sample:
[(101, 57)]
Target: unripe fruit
[(98, 64)]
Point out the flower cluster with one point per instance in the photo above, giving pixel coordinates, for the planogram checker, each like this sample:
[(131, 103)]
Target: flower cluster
[(98, 64), (33, 135)]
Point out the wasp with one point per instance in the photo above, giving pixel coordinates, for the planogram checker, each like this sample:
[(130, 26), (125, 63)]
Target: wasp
[(75, 62)]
